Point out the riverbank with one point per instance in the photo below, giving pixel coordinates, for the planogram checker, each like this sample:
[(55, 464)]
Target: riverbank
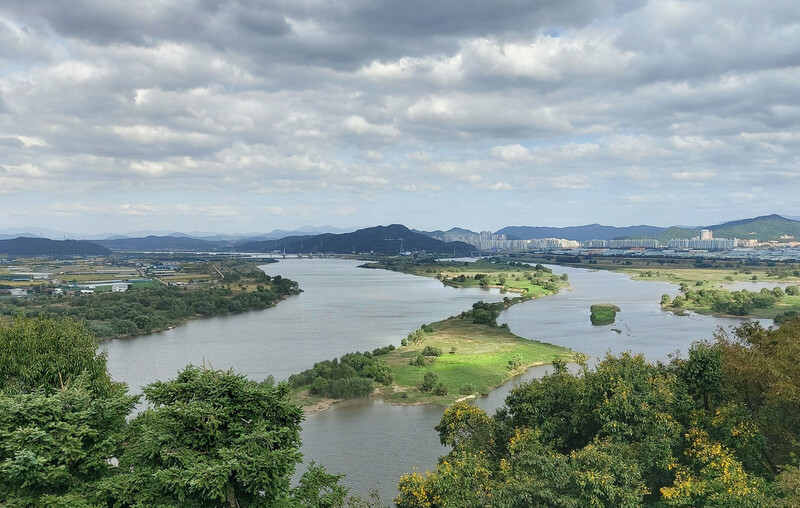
[(774, 304), (460, 357), (531, 280), (473, 359), (238, 287)]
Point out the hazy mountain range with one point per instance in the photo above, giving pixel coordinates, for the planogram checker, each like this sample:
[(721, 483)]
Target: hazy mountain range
[(380, 239)]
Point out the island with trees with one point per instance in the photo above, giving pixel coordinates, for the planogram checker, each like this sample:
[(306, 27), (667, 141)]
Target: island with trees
[(454, 359), (777, 303), (603, 314)]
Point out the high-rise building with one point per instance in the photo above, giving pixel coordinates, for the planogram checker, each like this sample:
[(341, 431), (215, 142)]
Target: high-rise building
[(706, 234)]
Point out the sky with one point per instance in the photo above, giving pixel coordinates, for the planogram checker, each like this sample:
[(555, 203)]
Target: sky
[(251, 115)]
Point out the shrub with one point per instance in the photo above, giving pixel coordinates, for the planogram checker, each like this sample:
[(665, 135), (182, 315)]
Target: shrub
[(431, 351), (467, 389), (440, 389), (429, 381)]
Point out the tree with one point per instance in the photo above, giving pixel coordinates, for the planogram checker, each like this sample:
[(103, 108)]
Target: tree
[(61, 416), (429, 380), (48, 355), (211, 438)]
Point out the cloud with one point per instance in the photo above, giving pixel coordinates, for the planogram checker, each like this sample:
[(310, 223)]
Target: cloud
[(359, 125), (304, 102), (512, 153), (692, 175)]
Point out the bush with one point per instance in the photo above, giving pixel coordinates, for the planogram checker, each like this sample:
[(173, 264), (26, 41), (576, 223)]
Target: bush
[(429, 381), (431, 351), (467, 389), (419, 361), (440, 389)]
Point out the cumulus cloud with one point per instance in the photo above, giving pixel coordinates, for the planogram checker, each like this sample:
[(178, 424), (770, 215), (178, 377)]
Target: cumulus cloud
[(284, 104)]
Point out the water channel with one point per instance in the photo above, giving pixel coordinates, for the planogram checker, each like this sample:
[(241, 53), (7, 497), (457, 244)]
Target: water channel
[(344, 308)]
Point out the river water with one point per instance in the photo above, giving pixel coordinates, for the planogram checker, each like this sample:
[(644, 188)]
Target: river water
[(344, 309)]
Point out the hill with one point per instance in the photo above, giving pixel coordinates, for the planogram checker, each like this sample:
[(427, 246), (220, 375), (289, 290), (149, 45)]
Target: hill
[(580, 233), (439, 234), (670, 233), (764, 228), (45, 247), (391, 239), (163, 243)]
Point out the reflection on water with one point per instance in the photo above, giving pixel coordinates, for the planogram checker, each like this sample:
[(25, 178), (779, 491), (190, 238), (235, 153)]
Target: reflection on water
[(344, 309)]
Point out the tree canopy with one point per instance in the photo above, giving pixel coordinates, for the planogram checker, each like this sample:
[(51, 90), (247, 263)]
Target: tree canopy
[(720, 428), (208, 437)]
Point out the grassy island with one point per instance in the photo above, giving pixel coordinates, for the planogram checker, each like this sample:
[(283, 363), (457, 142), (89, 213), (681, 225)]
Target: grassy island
[(453, 359), (532, 280), (603, 314), (776, 303)]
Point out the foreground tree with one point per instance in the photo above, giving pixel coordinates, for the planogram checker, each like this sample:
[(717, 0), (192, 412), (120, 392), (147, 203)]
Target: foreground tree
[(211, 438), (719, 429), (216, 438), (61, 416)]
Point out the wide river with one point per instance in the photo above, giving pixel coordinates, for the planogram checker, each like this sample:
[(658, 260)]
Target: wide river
[(344, 309)]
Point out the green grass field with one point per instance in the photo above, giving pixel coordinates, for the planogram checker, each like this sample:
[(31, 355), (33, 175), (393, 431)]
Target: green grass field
[(705, 277), (485, 357)]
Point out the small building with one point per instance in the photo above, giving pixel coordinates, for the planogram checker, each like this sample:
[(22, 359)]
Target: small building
[(119, 287), (19, 292)]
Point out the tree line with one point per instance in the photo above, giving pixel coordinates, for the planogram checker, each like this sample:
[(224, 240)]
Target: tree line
[(208, 438), (351, 376), (720, 428), (143, 310), (737, 303)]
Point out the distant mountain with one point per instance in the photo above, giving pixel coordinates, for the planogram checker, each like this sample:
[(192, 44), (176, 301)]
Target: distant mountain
[(764, 228), (672, 232), (380, 239), (9, 233), (439, 234), (580, 233), (46, 247), (163, 243)]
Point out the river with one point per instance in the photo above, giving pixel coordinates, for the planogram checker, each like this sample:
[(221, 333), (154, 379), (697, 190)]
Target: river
[(344, 308)]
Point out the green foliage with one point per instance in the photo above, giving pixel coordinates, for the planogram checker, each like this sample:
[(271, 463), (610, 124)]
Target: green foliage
[(737, 303), (47, 354), (318, 489), (139, 311), (210, 438), (350, 376), (483, 313), (60, 413), (419, 361), (431, 351), (58, 444), (603, 314), (720, 428), (429, 381)]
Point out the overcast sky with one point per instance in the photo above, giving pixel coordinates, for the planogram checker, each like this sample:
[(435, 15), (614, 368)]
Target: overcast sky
[(250, 115)]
